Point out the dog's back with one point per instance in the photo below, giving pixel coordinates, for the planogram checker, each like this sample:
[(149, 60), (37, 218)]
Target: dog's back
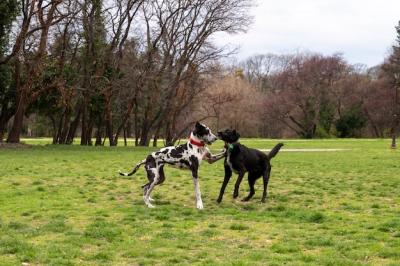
[(253, 160)]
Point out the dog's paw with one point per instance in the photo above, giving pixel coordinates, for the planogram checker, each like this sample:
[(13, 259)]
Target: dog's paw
[(245, 199), (199, 205), (219, 200), (149, 205), (235, 195), (151, 199)]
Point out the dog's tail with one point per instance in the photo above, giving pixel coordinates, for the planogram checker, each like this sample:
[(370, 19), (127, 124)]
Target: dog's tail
[(134, 169), (274, 151)]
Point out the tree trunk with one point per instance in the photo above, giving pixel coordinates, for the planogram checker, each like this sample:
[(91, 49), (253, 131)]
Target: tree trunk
[(65, 126), (125, 141), (3, 125), (137, 139), (99, 133), (128, 129), (73, 127), (378, 133), (393, 146), (15, 132), (104, 141), (2, 130), (109, 133), (89, 141), (6, 115), (98, 138), (168, 135), (156, 136), (137, 132), (396, 118), (84, 125), (394, 131), (144, 135), (55, 131)]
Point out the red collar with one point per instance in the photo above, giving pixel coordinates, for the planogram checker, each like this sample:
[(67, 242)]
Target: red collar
[(196, 143)]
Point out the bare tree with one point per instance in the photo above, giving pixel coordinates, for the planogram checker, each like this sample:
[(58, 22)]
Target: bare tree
[(396, 110), (29, 52), (392, 69), (171, 55), (302, 100)]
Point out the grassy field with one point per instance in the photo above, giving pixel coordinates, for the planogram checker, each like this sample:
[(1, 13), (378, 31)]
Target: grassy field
[(66, 205)]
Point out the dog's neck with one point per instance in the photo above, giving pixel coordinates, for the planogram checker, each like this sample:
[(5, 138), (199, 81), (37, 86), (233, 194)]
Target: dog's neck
[(196, 141), (229, 146)]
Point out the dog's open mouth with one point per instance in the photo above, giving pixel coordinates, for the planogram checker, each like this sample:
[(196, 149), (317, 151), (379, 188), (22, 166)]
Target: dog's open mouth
[(208, 142)]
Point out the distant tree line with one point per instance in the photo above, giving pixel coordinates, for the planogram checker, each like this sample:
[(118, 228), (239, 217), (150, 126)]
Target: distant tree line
[(309, 95), (103, 70)]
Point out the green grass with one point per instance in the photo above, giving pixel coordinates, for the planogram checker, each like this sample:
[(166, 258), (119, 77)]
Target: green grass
[(66, 205)]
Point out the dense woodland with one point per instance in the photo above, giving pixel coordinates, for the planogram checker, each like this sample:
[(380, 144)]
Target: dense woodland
[(104, 70)]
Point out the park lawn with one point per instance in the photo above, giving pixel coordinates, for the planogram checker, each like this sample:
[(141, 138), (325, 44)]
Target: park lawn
[(66, 205)]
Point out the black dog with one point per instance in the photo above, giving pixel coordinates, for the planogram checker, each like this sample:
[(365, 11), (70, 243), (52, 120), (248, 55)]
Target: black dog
[(241, 159)]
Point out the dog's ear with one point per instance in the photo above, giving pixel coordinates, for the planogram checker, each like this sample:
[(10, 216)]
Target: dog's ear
[(197, 128), (236, 133)]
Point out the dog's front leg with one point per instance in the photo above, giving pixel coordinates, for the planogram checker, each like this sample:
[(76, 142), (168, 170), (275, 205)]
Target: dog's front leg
[(210, 158), (228, 174), (237, 184), (199, 202)]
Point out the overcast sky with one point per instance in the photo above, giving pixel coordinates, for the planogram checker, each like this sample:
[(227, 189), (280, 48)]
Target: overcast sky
[(362, 30)]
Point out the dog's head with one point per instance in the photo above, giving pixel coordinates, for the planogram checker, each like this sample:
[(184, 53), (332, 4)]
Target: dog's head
[(229, 135), (203, 133)]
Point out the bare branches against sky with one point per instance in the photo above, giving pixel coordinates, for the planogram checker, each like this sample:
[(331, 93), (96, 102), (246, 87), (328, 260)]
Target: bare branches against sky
[(363, 30)]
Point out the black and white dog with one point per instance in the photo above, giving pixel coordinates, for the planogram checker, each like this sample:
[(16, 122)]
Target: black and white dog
[(241, 159), (185, 156)]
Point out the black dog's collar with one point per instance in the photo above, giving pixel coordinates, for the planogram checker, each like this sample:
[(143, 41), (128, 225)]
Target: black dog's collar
[(231, 146)]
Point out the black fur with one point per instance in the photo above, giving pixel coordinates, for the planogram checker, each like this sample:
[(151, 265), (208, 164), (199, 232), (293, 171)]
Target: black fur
[(242, 159)]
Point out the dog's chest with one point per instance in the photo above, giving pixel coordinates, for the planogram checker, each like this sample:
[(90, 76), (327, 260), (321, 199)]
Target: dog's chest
[(229, 162)]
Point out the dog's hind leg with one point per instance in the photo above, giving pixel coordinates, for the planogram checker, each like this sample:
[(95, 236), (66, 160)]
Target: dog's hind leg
[(251, 180), (148, 189), (266, 176), (161, 179), (153, 176), (145, 188)]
